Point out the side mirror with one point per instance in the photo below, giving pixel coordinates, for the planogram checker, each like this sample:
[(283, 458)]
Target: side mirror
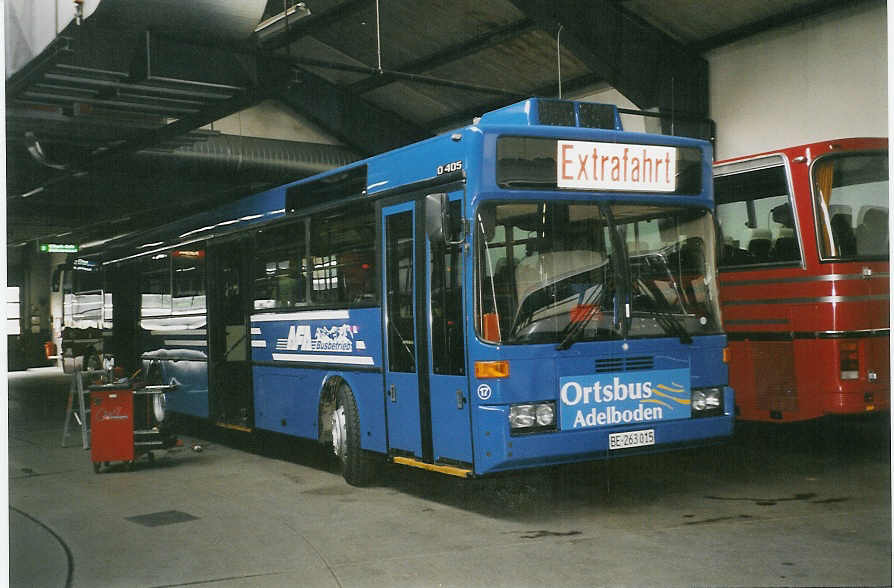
[(436, 218), (443, 222)]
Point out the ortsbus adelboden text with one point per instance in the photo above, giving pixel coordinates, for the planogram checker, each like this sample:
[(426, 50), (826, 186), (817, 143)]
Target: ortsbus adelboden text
[(804, 279), (521, 292)]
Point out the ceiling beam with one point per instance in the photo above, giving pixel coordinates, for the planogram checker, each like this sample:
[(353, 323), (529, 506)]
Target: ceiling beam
[(785, 18), (59, 48), (447, 55), (640, 61), (362, 126)]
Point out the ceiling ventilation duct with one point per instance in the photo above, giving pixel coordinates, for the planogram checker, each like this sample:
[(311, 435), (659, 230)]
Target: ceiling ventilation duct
[(232, 156)]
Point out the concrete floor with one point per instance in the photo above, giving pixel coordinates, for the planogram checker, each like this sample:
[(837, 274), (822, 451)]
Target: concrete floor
[(777, 506)]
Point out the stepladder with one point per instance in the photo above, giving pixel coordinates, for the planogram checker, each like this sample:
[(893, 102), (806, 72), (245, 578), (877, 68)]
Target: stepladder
[(77, 407)]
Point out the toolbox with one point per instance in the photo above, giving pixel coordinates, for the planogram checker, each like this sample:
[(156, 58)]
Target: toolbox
[(126, 422)]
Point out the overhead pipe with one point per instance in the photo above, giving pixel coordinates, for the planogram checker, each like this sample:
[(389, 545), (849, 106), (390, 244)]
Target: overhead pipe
[(262, 159), (226, 156)]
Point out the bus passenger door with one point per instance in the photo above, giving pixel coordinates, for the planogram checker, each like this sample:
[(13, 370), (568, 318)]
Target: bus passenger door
[(426, 388), (403, 409), (229, 366), (448, 383)]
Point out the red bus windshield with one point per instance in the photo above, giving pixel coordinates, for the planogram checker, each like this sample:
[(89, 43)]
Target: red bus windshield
[(850, 193)]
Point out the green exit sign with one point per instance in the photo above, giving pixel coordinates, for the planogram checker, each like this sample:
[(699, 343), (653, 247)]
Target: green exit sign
[(58, 248)]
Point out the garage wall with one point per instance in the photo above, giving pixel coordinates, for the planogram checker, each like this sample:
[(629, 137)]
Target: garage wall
[(273, 120), (824, 78)]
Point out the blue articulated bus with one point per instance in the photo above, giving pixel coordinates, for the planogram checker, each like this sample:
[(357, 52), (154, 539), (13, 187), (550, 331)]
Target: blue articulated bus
[(536, 288)]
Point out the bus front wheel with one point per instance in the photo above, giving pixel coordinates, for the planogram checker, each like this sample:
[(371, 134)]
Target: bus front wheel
[(357, 466)]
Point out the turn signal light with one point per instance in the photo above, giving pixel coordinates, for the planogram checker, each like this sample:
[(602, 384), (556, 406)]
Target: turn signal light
[(491, 369), (726, 355)]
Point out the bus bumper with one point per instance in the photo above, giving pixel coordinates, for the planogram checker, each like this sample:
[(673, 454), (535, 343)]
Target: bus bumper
[(497, 450)]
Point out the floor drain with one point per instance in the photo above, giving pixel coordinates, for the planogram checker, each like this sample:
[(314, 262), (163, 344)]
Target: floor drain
[(159, 519)]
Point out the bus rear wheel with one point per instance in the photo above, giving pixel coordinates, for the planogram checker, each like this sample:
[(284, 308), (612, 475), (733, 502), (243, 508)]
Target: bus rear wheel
[(357, 467)]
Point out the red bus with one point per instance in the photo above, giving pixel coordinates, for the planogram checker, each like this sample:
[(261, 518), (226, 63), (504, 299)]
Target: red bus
[(804, 282)]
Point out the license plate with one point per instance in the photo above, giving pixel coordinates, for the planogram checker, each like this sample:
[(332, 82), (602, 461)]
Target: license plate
[(631, 439)]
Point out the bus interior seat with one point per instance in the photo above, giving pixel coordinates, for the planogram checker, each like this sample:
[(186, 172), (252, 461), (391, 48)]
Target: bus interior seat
[(785, 247), (872, 234), (692, 255), (760, 243)]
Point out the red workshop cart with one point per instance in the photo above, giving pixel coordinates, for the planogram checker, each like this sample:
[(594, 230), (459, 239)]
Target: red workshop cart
[(126, 423)]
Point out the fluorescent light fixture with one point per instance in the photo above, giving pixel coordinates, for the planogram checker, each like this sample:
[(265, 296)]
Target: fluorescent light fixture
[(36, 190), (276, 25)]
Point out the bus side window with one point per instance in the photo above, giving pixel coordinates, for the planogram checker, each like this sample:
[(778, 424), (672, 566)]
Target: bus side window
[(155, 286), (188, 280), (343, 256), (280, 279)]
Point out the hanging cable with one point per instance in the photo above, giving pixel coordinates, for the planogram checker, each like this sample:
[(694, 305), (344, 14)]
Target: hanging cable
[(559, 57), (378, 40)]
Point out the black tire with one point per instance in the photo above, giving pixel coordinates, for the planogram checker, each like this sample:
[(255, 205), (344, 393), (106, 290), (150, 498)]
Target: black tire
[(357, 466), (95, 467)]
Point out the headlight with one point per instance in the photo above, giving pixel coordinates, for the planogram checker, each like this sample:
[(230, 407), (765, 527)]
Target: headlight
[(698, 400), (707, 402), (546, 414), (531, 417), (521, 415)]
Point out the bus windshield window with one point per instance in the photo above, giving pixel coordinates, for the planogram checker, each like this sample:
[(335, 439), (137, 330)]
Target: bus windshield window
[(83, 296), (672, 275), (545, 269), (851, 195)]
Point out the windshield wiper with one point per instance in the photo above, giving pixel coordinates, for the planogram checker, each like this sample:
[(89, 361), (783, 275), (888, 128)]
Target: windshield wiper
[(672, 325), (572, 332)]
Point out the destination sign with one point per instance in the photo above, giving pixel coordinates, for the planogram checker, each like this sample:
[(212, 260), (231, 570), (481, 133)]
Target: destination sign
[(587, 165)]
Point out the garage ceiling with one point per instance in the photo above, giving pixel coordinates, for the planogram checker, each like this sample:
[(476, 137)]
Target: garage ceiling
[(104, 127)]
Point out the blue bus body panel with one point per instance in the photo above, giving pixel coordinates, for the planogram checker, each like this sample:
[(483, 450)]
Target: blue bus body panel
[(287, 400), (451, 426), (537, 373), (497, 451), (295, 352)]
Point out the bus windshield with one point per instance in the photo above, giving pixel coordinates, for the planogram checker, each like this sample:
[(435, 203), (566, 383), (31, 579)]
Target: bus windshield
[(560, 272), (851, 194)]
